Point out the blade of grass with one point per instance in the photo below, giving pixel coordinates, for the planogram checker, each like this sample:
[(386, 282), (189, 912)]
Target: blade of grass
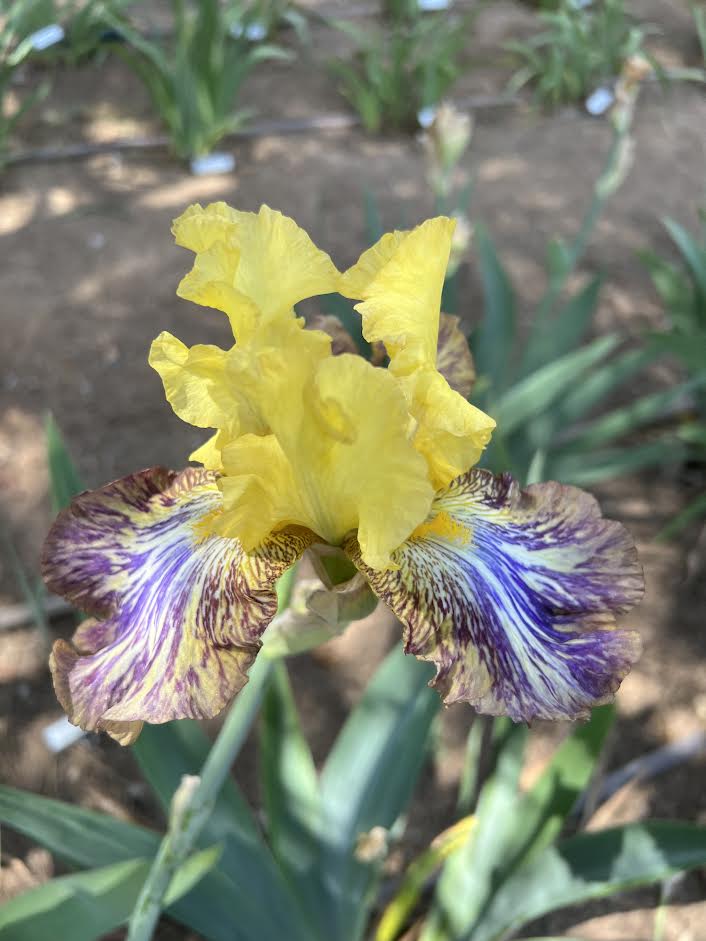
[(467, 877), (291, 790), (368, 779), (534, 394), (492, 341), (63, 475)]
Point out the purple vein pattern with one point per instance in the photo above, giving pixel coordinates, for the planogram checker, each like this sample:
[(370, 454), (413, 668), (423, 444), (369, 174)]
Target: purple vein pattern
[(176, 617), (513, 595)]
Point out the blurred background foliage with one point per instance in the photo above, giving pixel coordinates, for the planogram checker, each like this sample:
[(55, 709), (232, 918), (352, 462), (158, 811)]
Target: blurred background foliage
[(396, 74), (581, 47)]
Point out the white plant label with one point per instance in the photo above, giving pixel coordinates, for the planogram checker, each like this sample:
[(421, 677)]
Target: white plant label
[(60, 734), (599, 101), (255, 32), (426, 116), (46, 36), (217, 162)]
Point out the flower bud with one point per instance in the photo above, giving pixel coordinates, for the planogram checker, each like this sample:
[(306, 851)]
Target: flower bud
[(635, 70), (445, 142)]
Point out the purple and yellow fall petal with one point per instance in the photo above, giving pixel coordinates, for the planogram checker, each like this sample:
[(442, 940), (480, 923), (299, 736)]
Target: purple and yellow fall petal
[(341, 340), (453, 356), (177, 616), (513, 595)]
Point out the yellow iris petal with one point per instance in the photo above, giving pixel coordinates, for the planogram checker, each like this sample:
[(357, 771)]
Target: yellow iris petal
[(305, 438), (198, 229), (381, 485), (270, 372), (451, 433), (210, 283), (279, 263), (354, 282), (332, 464), (400, 281), (213, 388), (194, 381), (253, 266), (209, 453), (401, 301), (259, 491)]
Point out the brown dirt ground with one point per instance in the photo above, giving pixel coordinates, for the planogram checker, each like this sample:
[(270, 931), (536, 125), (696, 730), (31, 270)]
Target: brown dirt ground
[(87, 279)]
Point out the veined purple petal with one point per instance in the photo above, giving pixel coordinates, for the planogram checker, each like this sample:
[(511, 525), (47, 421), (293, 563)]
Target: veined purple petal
[(453, 356), (178, 616), (513, 595)]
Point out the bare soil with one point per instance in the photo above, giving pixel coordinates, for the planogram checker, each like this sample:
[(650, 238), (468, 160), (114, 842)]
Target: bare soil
[(88, 273)]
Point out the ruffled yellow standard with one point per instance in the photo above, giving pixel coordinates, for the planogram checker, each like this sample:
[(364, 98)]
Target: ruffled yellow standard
[(511, 594), (399, 281)]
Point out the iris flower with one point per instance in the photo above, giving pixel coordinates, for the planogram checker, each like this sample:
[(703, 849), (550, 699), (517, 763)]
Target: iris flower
[(511, 593)]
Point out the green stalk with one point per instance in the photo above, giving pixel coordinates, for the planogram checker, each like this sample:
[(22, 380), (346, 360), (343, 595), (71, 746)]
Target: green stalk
[(195, 797)]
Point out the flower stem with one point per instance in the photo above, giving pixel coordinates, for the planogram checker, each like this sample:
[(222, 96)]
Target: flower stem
[(195, 797)]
